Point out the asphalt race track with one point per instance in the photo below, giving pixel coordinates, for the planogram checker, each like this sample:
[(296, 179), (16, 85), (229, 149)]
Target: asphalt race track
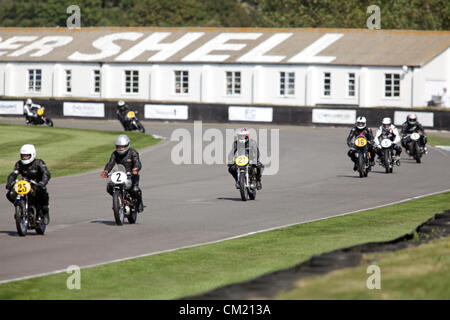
[(194, 204)]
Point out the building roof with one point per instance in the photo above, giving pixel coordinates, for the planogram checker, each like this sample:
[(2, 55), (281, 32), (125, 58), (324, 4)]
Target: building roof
[(223, 45)]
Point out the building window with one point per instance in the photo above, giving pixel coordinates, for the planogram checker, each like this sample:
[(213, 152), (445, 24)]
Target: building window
[(287, 83), (181, 81), (392, 85), (351, 84), (131, 81), (326, 84), (233, 82), (69, 81), (34, 80), (97, 81)]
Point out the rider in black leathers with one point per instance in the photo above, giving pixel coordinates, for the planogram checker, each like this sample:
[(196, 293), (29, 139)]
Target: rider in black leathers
[(243, 140), (33, 169), (129, 158), (121, 112), (411, 125), (359, 130)]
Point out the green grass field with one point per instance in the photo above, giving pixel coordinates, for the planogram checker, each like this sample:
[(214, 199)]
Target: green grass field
[(415, 273), (65, 151), (438, 141), (199, 269)]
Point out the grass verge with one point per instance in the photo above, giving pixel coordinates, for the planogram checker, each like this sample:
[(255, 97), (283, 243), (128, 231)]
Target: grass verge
[(415, 273), (195, 270), (438, 141), (65, 151)]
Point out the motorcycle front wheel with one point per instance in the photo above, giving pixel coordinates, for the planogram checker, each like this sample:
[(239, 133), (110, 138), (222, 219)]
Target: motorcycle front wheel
[(361, 166), (118, 207), (21, 221), (243, 188), (387, 161), (140, 127)]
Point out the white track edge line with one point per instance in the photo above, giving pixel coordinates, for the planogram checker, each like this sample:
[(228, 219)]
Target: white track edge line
[(224, 239)]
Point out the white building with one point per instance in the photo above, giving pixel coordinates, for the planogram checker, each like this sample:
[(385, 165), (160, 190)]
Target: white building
[(297, 67)]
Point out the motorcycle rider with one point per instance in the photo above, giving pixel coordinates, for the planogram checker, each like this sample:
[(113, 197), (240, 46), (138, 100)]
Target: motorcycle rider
[(361, 129), (30, 110), (33, 169), (121, 112), (129, 158), (389, 130), (410, 126), (242, 140)]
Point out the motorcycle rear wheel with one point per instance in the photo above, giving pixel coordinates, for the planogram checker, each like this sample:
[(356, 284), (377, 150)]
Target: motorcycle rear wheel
[(133, 216), (40, 227)]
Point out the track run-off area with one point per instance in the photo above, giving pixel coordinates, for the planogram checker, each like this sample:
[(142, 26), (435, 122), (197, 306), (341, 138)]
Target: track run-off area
[(193, 204)]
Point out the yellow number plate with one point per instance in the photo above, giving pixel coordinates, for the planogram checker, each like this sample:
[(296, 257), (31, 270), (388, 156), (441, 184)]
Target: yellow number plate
[(22, 187), (361, 142), (40, 112), (241, 161), (131, 114)]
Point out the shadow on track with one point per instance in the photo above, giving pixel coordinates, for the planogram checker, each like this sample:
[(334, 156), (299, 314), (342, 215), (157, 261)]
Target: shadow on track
[(231, 199), (15, 234), (106, 222)]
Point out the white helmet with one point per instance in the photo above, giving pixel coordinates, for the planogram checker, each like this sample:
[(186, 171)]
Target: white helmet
[(122, 144), (387, 123), (27, 153), (361, 122), (242, 135), (121, 103), (29, 101)]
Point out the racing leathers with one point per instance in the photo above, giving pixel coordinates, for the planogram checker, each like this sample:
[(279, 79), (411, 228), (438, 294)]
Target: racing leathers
[(408, 129), (36, 171), (390, 133), (130, 160), (30, 111), (252, 149), (122, 115), (367, 133)]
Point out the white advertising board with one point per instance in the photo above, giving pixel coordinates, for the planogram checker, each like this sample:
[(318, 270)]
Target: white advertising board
[(338, 116), (11, 107), (168, 112), (84, 109), (237, 113)]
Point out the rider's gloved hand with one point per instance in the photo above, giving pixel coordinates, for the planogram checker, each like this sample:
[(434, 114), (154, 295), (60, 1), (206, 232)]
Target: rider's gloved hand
[(104, 173), (135, 172), (40, 185)]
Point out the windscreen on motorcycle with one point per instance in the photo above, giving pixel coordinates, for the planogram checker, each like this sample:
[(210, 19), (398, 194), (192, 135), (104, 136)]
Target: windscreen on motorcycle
[(248, 152), (118, 167)]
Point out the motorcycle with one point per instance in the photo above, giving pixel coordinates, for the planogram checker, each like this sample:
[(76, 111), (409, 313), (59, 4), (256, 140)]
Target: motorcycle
[(387, 159), (133, 122), (124, 206), (41, 118), (363, 155), (246, 176), (414, 146), (26, 214)]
